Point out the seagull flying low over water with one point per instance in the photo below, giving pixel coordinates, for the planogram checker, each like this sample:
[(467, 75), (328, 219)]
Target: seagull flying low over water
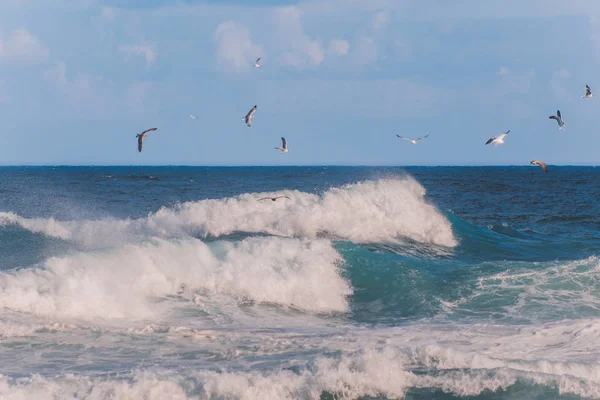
[(273, 198), (193, 116), (541, 164), (588, 93), (498, 139), (283, 148), (248, 118), (142, 136), (257, 63), (559, 120), (413, 141)]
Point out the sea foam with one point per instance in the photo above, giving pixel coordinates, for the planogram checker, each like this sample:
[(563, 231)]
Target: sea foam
[(370, 211), (125, 282)]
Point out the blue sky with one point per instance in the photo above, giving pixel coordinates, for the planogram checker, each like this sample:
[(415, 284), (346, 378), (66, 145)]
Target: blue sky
[(341, 78)]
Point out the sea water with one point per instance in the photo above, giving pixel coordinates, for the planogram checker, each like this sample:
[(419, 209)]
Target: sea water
[(386, 283)]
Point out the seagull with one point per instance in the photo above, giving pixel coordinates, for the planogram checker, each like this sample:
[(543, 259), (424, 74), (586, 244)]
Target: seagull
[(193, 116), (498, 139), (559, 120), (541, 164), (413, 141), (249, 116), (273, 198), (588, 93), (283, 148), (257, 63), (142, 136)]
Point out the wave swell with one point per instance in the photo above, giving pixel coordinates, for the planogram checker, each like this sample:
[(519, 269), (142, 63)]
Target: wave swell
[(127, 282), (364, 212)]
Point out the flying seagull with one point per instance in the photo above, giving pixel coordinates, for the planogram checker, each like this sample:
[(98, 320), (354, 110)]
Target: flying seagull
[(283, 148), (273, 198), (193, 116), (498, 139), (588, 93), (559, 120), (142, 136), (413, 141), (541, 164), (248, 118), (257, 63)]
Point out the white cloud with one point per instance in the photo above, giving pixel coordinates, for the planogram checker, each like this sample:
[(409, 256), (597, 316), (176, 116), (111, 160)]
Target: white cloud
[(21, 47), (235, 47), (143, 50), (380, 20), (136, 95), (378, 98), (338, 47), (561, 74), (88, 94), (108, 13), (404, 48), (559, 83), (503, 71), (299, 49), (366, 51)]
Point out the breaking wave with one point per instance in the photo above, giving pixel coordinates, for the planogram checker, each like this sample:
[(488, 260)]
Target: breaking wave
[(128, 282), (365, 212)]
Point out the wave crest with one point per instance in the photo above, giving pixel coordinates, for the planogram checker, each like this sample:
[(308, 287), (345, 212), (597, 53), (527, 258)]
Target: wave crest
[(364, 212), (125, 283)]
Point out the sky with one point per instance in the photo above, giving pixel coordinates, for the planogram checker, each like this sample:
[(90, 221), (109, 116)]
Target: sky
[(340, 79)]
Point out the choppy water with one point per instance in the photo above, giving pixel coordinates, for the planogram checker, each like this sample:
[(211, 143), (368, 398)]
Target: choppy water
[(417, 283)]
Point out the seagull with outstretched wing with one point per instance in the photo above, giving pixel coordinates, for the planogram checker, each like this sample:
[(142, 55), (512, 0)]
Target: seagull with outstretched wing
[(193, 116), (248, 118), (497, 139), (559, 120), (141, 136), (273, 198), (541, 164), (413, 141), (283, 148)]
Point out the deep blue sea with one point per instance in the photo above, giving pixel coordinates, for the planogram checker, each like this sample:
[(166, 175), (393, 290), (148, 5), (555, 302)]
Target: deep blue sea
[(367, 283)]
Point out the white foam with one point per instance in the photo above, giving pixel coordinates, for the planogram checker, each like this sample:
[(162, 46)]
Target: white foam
[(123, 283), (370, 211), (546, 292), (368, 372)]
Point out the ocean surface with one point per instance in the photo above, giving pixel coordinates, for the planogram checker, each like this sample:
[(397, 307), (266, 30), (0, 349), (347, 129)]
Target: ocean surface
[(367, 283)]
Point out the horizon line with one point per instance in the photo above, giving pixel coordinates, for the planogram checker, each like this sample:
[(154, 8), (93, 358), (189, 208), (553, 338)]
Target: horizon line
[(284, 166)]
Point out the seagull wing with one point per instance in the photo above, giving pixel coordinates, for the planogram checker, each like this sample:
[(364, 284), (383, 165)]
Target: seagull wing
[(283, 143), (421, 138), (249, 116), (541, 164), (490, 140), (282, 197), (553, 117), (140, 142), (401, 137), (264, 198), (588, 91), (558, 115), (148, 130), (257, 60)]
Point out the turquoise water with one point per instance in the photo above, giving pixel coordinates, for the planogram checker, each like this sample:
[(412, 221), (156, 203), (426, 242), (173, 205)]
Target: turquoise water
[(417, 283)]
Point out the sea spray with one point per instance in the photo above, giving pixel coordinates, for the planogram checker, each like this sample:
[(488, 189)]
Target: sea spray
[(365, 212), (123, 283)]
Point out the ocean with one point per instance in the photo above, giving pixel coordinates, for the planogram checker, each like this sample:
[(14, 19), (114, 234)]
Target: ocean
[(367, 283)]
